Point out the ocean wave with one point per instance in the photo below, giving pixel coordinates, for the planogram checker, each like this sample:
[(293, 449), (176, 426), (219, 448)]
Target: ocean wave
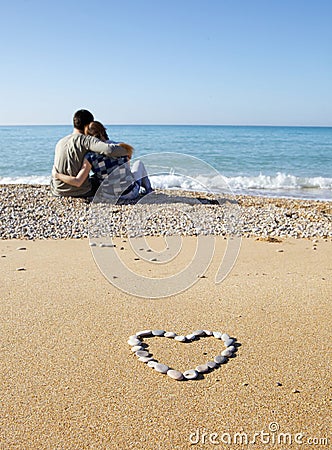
[(32, 179), (281, 183)]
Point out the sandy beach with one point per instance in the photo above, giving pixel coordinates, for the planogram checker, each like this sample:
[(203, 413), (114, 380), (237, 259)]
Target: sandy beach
[(70, 381)]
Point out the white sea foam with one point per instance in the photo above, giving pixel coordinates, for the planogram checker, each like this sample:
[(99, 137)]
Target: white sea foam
[(279, 184), (279, 181), (33, 179), (261, 182)]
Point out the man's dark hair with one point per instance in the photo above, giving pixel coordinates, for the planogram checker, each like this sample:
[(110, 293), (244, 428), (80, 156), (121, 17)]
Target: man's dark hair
[(82, 118)]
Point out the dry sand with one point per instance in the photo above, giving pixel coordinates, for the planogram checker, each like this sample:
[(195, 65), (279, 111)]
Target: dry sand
[(69, 380)]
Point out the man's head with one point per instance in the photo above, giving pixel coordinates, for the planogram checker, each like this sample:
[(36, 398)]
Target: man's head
[(82, 118)]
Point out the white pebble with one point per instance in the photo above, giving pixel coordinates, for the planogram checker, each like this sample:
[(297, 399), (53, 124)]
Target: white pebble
[(133, 336), (144, 333), (170, 334), (136, 348), (211, 364), (203, 368), (228, 342), (217, 334), (180, 338), (175, 374), (226, 352), (132, 342), (199, 333), (158, 333), (208, 332), (191, 337), (145, 359), (190, 374), (231, 348), (220, 359), (162, 368), (225, 337), (141, 353), (152, 363)]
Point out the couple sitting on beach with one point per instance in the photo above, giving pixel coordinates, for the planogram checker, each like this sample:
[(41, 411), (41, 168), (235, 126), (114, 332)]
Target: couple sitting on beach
[(89, 149)]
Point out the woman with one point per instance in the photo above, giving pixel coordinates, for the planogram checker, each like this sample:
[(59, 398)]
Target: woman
[(125, 182)]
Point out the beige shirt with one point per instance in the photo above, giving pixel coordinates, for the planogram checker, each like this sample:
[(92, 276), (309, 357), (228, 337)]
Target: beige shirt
[(69, 157)]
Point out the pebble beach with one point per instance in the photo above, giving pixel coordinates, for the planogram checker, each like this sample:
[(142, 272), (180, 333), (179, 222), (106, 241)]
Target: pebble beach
[(243, 361), (31, 212)]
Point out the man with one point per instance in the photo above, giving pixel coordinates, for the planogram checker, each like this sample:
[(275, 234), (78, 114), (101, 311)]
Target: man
[(70, 152)]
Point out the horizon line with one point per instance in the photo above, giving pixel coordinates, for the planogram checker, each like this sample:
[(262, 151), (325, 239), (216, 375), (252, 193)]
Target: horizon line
[(171, 124)]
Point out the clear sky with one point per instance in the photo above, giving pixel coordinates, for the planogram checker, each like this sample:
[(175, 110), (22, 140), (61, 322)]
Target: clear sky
[(246, 62)]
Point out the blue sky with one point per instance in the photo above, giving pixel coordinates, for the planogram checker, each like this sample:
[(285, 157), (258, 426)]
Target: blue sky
[(246, 62)]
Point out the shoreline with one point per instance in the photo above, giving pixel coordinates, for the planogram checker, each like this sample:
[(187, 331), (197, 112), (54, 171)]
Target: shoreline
[(260, 192), (31, 212)]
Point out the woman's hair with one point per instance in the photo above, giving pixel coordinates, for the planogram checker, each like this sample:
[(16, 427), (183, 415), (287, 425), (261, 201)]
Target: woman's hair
[(97, 130)]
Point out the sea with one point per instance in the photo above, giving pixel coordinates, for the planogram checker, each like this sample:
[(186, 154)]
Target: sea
[(291, 162)]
